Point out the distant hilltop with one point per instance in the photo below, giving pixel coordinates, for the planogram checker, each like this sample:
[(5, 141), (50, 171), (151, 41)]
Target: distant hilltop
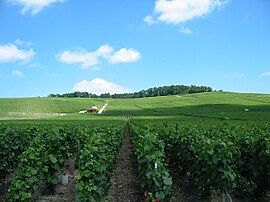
[(151, 92)]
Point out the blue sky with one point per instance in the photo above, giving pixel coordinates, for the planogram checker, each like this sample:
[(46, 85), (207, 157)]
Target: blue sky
[(58, 46)]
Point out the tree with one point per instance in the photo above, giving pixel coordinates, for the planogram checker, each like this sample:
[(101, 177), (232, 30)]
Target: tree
[(151, 92)]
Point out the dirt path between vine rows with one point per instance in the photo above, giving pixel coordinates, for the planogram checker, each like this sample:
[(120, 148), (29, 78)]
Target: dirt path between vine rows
[(124, 180)]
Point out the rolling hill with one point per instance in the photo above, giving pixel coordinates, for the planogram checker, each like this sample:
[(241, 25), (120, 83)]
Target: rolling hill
[(217, 106)]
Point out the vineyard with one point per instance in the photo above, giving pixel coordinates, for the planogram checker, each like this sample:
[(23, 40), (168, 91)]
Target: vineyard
[(38, 154), (170, 159), (224, 158)]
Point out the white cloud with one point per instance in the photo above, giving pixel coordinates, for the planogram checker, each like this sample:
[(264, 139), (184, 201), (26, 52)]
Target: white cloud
[(179, 11), (266, 74), (12, 53), (34, 6), (185, 30), (149, 20), (84, 58), (88, 59), (17, 73), (234, 75), (125, 55), (20, 42), (99, 86), (104, 51)]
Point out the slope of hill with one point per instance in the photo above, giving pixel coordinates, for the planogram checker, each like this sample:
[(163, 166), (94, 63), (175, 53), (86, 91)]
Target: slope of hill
[(226, 106), (238, 106), (37, 108)]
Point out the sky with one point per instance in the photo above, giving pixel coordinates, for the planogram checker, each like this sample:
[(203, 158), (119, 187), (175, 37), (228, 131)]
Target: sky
[(99, 46)]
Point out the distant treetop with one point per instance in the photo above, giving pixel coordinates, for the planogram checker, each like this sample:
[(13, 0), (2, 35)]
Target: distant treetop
[(151, 92)]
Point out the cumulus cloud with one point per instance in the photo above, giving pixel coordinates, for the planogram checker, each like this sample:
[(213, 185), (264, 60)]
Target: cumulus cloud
[(20, 42), (17, 73), (12, 53), (34, 6), (88, 59), (104, 51), (125, 55), (180, 11), (266, 74), (185, 30), (84, 58), (99, 86), (149, 20)]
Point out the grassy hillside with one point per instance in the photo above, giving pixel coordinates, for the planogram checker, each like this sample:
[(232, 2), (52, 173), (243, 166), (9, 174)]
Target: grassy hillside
[(215, 137), (205, 105), (217, 106), (35, 108)]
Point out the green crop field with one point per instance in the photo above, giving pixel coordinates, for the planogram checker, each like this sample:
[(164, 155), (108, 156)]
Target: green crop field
[(36, 108), (216, 106), (204, 146), (192, 106), (139, 101)]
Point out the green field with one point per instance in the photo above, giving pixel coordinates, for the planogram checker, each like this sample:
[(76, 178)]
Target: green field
[(215, 106), (219, 141)]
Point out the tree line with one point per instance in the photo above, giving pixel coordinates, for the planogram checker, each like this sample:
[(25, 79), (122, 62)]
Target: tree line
[(151, 92)]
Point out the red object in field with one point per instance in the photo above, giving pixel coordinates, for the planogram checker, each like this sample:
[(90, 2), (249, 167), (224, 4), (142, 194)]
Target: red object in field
[(146, 193), (146, 196), (156, 200)]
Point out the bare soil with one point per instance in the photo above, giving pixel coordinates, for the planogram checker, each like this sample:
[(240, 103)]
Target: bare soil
[(124, 180), (4, 187), (62, 193), (184, 191)]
